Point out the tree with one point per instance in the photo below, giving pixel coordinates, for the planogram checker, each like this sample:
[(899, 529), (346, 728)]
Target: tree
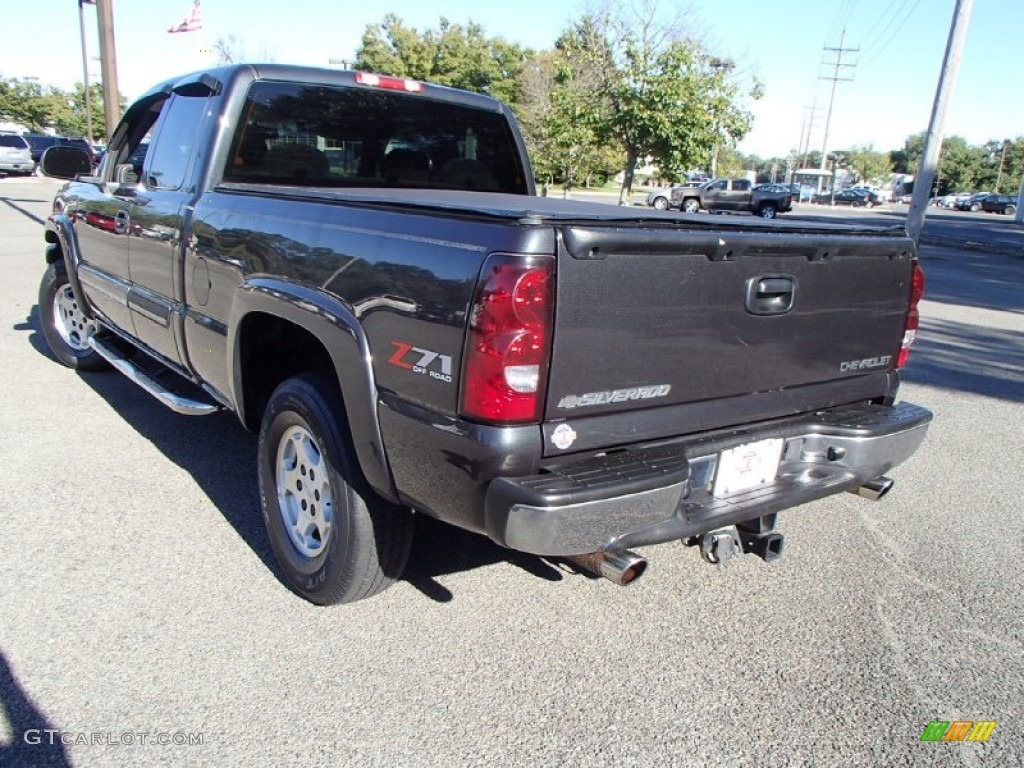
[(452, 55), (232, 50), (28, 102), (564, 117), (42, 107), (870, 166), (667, 98)]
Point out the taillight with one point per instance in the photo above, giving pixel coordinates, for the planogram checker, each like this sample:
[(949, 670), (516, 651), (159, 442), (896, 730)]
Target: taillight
[(388, 82), (509, 340), (913, 315)]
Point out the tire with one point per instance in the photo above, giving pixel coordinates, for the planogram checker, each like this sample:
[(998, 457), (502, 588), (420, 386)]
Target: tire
[(336, 541), (660, 203), (767, 211), (1010, 210), (975, 207), (691, 205), (65, 327)]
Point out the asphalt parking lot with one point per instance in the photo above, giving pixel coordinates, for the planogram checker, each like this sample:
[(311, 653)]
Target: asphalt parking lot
[(140, 603)]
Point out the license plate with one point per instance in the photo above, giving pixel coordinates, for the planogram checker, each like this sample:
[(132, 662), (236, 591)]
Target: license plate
[(747, 466)]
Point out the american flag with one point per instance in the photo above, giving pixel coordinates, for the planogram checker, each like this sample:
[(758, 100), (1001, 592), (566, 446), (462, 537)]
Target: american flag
[(192, 22)]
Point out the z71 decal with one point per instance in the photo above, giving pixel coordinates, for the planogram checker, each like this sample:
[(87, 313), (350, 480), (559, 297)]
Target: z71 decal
[(422, 361)]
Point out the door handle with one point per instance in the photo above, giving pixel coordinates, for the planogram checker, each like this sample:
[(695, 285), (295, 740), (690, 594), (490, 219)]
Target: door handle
[(770, 294), (121, 222)]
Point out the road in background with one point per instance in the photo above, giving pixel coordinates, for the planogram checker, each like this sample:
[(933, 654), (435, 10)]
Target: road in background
[(138, 594)]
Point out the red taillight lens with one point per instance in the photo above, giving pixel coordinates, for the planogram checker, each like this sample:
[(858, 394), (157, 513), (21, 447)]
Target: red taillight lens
[(509, 340), (913, 315)]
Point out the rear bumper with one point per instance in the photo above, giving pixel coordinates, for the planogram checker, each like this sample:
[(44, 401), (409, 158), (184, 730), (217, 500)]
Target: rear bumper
[(663, 492)]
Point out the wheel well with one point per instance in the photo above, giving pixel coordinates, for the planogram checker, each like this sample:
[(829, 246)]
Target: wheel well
[(271, 350)]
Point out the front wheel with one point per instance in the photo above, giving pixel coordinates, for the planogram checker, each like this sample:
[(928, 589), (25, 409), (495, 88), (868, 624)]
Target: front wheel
[(766, 211), (335, 539), (660, 203), (65, 326), (691, 206), (975, 207), (1010, 210)]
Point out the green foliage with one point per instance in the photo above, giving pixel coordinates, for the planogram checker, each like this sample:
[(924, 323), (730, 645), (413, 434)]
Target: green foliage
[(453, 55), (40, 107), (870, 166), (996, 166), (660, 97)]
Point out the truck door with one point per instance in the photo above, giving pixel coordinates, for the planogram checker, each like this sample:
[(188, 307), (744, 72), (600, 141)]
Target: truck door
[(715, 195), (159, 217), (738, 196)]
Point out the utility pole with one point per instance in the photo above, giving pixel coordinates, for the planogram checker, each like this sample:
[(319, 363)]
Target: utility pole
[(835, 78), (1002, 159), (108, 64), (805, 135), (933, 139)]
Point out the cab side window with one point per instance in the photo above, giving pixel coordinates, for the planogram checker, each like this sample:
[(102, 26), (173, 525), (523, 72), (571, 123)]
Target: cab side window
[(167, 159)]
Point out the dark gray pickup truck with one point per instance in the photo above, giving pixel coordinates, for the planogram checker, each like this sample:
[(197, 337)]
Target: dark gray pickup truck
[(358, 267), (733, 195)]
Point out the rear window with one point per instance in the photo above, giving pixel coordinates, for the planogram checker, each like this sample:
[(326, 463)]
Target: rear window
[(357, 137), (15, 142)]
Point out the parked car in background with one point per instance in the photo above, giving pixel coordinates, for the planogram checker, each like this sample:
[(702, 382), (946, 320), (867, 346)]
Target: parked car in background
[(885, 195), (972, 203), (15, 155), (950, 200), (1005, 204), (856, 198), (39, 143)]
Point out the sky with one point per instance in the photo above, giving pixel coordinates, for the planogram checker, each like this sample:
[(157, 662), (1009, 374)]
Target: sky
[(899, 50)]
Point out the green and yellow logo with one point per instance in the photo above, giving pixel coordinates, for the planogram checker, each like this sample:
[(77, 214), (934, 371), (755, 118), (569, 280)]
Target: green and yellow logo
[(958, 730)]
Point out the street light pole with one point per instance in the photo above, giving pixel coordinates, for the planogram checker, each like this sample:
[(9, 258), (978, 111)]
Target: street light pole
[(85, 73)]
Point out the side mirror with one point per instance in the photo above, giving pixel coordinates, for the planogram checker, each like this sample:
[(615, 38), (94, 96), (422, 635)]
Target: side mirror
[(63, 162)]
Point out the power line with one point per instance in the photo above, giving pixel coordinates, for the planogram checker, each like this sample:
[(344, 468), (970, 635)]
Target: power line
[(877, 50), (841, 19), (883, 23)]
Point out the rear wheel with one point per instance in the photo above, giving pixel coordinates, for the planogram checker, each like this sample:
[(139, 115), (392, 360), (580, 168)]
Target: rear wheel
[(335, 539), (660, 203), (1010, 210), (65, 326), (766, 211)]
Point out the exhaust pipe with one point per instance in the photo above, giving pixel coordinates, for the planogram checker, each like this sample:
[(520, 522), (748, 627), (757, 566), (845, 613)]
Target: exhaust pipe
[(621, 567), (875, 489)]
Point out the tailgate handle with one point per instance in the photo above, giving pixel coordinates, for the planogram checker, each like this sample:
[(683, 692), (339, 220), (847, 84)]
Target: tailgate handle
[(770, 294)]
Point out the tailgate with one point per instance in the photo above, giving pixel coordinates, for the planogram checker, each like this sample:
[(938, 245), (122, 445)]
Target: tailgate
[(648, 317)]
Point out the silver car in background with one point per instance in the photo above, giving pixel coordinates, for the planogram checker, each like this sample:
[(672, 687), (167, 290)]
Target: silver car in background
[(15, 155)]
